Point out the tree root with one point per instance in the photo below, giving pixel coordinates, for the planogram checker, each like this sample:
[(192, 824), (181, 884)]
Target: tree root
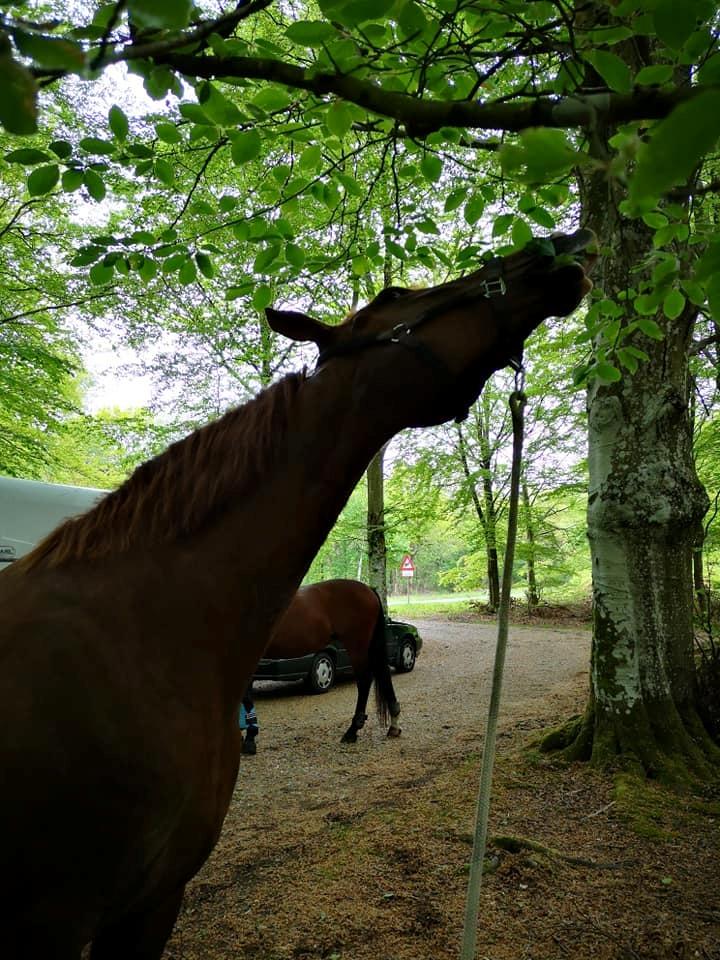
[(517, 844)]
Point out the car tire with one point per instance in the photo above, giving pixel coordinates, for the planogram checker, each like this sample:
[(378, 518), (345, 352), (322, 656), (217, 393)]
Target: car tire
[(405, 660), (322, 673)]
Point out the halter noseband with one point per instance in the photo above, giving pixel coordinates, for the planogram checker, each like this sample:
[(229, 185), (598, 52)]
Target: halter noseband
[(402, 333)]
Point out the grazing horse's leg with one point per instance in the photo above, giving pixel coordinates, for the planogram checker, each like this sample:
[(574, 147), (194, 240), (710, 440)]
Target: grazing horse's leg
[(364, 680), (141, 936), (387, 703), (394, 729)]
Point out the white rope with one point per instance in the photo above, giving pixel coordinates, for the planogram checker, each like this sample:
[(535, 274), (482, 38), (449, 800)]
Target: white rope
[(517, 401)]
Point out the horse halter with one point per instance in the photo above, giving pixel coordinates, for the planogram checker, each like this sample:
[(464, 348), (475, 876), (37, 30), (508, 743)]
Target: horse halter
[(488, 288)]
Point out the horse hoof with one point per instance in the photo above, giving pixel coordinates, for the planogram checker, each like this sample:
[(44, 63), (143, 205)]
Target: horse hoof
[(348, 738), (394, 732), (249, 747)]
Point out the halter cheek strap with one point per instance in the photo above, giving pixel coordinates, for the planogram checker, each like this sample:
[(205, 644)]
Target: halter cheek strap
[(402, 333)]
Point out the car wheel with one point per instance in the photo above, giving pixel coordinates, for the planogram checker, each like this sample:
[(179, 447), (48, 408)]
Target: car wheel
[(322, 673), (405, 656)]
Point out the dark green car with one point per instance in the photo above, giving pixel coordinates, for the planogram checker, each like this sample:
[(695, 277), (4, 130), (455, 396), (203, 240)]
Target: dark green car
[(320, 670)]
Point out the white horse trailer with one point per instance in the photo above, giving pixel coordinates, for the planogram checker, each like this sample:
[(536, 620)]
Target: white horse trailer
[(30, 509)]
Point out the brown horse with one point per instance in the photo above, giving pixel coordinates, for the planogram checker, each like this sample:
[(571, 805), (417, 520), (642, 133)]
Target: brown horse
[(348, 612), (121, 668)]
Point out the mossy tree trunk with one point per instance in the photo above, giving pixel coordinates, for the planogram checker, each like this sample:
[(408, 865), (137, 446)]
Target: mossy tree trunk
[(645, 503)]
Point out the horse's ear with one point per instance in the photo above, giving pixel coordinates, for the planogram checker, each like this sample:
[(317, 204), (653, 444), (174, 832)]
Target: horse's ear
[(299, 326)]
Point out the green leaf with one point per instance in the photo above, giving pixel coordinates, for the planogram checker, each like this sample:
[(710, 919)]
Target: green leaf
[(627, 360), (86, 256), (362, 11), (474, 209), (606, 372), (168, 132), (100, 274), (42, 180), (426, 225), (262, 297), (188, 273), (674, 21), (160, 14), (521, 232), (455, 198), (52, 53), (650, 328), (310, 159), (709, 263), (295, 255), (431, 167), (339, 119), (193, 112), (265, 258), (144, 237), (18, 106), (148, 269), (541, 155), (245, 146), (713, 297), (95, 185), (709, 72), (655, 220), (164, 171), (361, 266), (205, 265), (272, 99), (614, 71), (542, 217), (673, 304), (61, 149), (233, 293), (502, 224), (72, 180), (655, 75), (411, 19), (118, 123), (219, 108), (676, 147), (96, 145), (310, 33), (27, 156)]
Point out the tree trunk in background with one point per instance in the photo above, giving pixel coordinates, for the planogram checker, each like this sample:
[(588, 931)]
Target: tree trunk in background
[(377, 550), (485, 511), (645, 502), (532, 593), (493, 566)]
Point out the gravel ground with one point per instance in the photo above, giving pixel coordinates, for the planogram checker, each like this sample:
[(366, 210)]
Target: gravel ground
[(360, 852)]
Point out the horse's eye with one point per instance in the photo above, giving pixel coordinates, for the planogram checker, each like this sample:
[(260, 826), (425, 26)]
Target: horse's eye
[(391, 293)]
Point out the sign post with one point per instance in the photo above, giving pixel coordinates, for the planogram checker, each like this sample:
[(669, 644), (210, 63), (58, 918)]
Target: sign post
[(407, 570)]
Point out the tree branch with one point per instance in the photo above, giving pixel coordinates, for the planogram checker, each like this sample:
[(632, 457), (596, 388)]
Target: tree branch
[(422, 117)]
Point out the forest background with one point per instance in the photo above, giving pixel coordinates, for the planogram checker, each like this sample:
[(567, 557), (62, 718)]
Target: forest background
[(162, 212)]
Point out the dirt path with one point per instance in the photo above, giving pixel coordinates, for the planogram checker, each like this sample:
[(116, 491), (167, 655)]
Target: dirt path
[(336, 852)]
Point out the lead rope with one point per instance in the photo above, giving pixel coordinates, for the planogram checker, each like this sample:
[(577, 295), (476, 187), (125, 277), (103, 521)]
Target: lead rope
[(517, 401)]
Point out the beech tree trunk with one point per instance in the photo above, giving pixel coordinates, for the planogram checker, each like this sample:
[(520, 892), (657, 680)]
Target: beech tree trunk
[(645, 503), (377, 549), (533, 598)]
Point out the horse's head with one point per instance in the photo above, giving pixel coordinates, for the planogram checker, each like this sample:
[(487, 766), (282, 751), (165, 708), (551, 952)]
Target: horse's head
[(431, 350)]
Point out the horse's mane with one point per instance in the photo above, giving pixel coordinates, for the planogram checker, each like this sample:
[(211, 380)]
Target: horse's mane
[(177, 492)]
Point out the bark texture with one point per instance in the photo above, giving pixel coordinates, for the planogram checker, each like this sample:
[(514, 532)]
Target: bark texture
[(644, 506), (377, 549)]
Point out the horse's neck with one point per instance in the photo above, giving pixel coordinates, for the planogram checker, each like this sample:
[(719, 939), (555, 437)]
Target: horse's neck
[(259, 552)]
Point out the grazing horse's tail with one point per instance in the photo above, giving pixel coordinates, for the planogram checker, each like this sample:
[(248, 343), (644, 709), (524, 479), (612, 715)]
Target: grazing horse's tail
[(385, 702)]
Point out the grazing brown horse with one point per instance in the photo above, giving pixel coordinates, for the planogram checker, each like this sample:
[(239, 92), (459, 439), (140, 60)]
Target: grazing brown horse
[(349, 612), (121, 668)]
